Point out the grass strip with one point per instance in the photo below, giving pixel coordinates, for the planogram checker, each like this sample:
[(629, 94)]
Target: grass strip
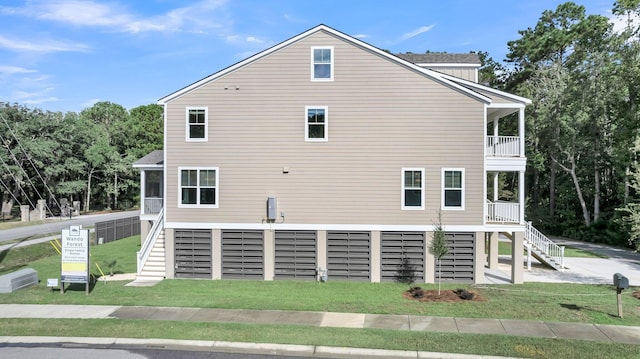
[(499, 345), (530, 301)]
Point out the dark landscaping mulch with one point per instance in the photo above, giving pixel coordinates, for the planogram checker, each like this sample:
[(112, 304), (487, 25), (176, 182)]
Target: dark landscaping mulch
[(636, 294), (447, 296)]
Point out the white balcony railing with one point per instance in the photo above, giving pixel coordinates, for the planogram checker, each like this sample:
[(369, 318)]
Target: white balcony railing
[(152, 205), (503, 212), (503, 146)]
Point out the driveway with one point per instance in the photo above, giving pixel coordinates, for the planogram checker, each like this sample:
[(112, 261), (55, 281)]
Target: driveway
[(578, 270)]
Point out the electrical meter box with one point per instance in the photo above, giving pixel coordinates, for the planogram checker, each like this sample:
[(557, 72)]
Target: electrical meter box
[(272, 208)]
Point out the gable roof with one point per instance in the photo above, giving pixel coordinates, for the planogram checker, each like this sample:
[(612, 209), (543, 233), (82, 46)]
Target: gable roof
[(428, 73), (442, 58), (153, 159)]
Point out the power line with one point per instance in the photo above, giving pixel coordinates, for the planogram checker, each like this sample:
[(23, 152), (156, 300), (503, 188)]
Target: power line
[(10, 192), (34, 167), (17, 182), (25, 174)]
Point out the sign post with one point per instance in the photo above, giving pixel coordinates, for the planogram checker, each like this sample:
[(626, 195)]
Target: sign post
[(74, 266)]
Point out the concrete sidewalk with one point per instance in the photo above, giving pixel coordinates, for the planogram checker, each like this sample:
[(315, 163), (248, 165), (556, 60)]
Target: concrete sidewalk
[(593, 332)]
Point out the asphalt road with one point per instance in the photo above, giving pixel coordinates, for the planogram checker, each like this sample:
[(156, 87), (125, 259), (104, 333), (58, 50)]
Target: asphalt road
[(47, 352), (56, 225)]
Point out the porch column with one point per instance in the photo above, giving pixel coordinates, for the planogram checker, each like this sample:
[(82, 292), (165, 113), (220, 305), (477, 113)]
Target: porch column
[(142, 189), (496, 188), (521, 195), (376, 255), (495, 126), (494, 240), (517, 257), (521, 130), (145, 227)]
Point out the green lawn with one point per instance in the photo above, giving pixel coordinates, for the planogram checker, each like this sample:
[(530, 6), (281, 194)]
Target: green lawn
[(530, 301)]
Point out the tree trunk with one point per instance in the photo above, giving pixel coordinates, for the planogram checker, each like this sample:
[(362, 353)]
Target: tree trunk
[(88, 199), (115, 191), (576, 184), (552, 189), (627, 184), (596, 194)]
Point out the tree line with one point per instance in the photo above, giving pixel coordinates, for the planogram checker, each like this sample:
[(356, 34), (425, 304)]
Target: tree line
[(582, 144), (84, 156), (583, 77)]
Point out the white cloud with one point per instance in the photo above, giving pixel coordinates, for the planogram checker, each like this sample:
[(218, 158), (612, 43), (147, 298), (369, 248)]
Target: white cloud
[(239, 39), (10, 70), (33, 97), (620, 23), (90, 102), (360, 36), (117, 18), (42, 46), (416, 32)]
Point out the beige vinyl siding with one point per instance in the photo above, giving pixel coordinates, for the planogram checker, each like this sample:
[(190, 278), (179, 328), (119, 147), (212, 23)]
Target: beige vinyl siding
[(382, 117), (465, 73)]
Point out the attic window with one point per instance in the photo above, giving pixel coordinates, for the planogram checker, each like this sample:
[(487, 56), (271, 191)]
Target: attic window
[(322, 63)]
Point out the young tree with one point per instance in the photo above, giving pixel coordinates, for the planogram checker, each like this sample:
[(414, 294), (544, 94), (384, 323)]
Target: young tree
[(438, 246), (632, 209)]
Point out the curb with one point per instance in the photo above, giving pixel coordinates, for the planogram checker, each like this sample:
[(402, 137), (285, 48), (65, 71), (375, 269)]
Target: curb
[(310, 351)]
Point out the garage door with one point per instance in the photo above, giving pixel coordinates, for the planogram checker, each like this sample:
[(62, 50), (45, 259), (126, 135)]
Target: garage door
[(192, 253), (457, 265), (295, 255), (402, 256), (242, 254), (349, 256)]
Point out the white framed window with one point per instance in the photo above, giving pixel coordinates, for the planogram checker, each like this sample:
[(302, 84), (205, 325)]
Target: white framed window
[(198, 187), (316, 127), (197, 124), (453, 188), (322, 63), (412, 189)]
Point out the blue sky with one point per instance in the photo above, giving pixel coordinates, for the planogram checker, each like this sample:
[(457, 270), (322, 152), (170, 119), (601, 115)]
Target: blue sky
[(65, 55)]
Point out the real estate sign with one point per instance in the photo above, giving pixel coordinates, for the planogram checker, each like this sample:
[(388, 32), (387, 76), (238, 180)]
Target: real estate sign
[(75, 255)]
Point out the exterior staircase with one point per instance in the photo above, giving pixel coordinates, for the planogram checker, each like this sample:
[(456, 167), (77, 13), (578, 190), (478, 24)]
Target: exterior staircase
[(155, 266), (151, 257), (542, 248)]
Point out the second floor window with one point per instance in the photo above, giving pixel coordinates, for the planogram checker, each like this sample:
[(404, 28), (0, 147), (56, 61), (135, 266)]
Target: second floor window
[(322, 63), (316, 123), (197, 126)]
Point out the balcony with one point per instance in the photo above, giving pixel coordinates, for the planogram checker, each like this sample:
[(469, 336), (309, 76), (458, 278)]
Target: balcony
[(502, 146), (503, 212), (152, 205)]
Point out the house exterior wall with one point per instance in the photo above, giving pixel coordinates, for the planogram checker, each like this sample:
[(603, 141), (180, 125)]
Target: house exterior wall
[(382, 117), (463, 72)]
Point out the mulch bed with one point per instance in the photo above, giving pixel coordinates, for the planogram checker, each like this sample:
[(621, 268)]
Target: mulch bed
[(446, 296), (636, 294)]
